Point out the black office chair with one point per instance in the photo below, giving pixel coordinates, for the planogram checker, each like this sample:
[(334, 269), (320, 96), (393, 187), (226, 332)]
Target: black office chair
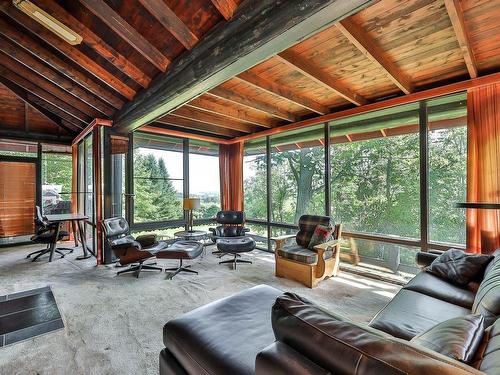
[(46, 234)]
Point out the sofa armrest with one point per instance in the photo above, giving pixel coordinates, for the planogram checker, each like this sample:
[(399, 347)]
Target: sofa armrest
[(424, 259), (280, 359)]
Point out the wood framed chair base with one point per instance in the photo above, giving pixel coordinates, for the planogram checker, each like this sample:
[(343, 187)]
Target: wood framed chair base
[(308, 274)]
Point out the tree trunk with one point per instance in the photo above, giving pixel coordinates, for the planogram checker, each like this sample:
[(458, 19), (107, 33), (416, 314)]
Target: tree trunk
[(304, 183)]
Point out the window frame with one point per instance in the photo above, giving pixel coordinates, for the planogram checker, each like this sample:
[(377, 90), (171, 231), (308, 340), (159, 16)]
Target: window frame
[(424, 243), (130, 189)]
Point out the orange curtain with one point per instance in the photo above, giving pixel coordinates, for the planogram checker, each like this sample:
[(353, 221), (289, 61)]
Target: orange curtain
[(483, 167), (231, 176)]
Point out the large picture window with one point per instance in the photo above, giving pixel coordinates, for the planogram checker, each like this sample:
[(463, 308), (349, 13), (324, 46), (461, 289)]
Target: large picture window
[(204, 181), (447, 138), (297, 174), (158, 178), (374, 163), (375, 175)]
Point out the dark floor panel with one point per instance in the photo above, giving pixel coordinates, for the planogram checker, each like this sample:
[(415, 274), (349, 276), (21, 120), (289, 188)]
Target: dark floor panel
[(28, 314), (24, 303)]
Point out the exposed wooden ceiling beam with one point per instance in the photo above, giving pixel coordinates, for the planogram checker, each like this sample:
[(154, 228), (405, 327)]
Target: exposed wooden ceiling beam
[(212, 119), (41, 137), (257, 105), (256, 32), (73, 104), (197, 125), (283, 92), (169, 20), (30, 87), (456, 15), (68, 50), (116, 23), (312, 72), (225, 7), (95, 42), (23, 95), (30, 62), (372, 51), (224, 110), (55, 62), (392, 102)]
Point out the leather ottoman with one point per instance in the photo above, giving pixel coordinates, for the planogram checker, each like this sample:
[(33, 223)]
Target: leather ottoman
[(222, 337)]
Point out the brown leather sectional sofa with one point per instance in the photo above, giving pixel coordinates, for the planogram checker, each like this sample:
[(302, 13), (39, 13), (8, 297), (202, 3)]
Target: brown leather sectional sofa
[(265, 331)]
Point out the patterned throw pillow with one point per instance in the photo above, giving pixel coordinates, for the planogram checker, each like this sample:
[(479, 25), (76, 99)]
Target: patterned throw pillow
[(321, 235)]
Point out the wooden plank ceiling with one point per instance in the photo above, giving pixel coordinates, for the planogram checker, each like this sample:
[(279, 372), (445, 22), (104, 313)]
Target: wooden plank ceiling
[(391, 48)]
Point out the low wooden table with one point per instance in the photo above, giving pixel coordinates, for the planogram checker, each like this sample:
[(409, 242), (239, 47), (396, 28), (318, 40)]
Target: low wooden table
[(77, 220)]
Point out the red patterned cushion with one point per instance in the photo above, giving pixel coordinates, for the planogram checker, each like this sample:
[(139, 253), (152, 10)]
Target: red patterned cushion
[(321, 235)]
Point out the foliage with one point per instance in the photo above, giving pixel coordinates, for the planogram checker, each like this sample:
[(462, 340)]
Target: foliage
[(57, 170), (375, 185), (155, 196)]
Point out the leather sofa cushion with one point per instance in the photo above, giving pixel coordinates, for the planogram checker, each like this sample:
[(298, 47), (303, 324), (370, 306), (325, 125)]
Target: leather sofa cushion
[(343, 347), (487, 301), (487, 356), (280, 359), (303, 255), (458, 267), (457, 338), (224, 336), (411, 313), (436, 287)]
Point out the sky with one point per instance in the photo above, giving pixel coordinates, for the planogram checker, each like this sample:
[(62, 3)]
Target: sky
[(203, 170)]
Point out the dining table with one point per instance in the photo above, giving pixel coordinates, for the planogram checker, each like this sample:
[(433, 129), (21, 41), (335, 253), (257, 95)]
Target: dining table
[(77, 221)]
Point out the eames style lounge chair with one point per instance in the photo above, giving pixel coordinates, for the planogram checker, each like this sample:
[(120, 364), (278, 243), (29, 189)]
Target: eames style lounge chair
[(306, 263), (232, 225), (129, 250)]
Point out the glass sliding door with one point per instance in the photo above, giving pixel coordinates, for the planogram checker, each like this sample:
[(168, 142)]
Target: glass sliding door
[(86, 187)]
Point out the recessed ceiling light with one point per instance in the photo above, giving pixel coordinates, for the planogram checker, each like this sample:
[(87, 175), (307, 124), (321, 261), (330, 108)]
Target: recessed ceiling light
[(45, 19)]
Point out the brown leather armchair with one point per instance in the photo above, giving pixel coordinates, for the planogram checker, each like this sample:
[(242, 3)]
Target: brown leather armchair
[(130, 250)]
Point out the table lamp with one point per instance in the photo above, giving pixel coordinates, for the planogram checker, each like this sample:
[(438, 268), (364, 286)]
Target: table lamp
[(191, 204)]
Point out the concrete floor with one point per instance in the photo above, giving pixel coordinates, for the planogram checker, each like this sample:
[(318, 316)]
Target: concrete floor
[(113, 324)]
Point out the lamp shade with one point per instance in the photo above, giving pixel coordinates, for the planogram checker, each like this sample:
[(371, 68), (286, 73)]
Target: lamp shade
[(191, 203)]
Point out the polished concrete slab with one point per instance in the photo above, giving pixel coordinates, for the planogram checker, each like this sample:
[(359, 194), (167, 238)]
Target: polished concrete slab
[(113, 324)]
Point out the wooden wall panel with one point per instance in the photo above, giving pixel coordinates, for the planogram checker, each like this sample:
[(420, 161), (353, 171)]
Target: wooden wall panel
[(17, 198)]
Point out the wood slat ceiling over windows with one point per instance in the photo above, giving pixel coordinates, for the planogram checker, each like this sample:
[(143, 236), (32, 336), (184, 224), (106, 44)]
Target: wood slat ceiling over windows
[(391, 48)]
